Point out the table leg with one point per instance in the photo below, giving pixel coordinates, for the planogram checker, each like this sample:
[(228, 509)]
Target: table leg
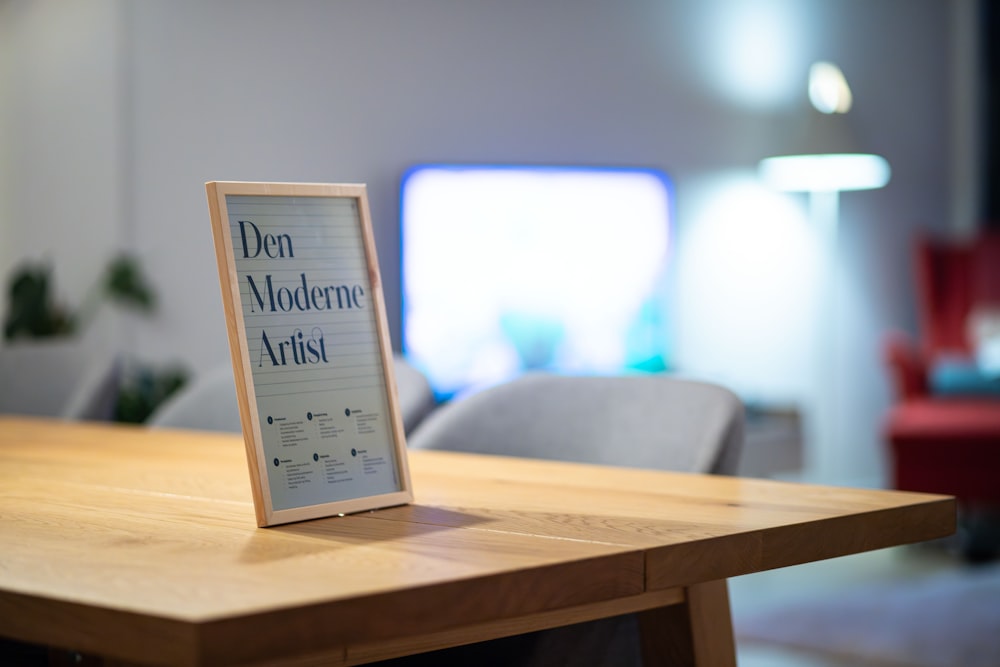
[(695, 633)]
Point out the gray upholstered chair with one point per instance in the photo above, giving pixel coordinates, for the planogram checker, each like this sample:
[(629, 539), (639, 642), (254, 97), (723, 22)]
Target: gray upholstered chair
[(209, 402), (648, 421), (652, 421), (416, 398)]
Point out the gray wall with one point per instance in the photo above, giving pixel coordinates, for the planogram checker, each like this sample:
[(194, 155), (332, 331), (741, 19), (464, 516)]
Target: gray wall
[(115, 113)]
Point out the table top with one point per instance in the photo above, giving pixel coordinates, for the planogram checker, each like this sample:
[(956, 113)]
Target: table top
[(134, 542)]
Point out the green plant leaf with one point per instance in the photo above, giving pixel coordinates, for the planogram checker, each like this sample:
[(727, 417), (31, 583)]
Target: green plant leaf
[(32, 312), (127, 284)]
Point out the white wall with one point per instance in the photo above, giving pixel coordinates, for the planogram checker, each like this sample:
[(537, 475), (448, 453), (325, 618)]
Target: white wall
[(60, 140), (358, 90)]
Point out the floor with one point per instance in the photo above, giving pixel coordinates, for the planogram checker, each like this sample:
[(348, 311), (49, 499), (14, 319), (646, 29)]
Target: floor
[(773, 450), (756, 592)]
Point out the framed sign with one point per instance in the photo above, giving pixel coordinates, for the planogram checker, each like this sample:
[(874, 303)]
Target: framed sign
[(310, 347)]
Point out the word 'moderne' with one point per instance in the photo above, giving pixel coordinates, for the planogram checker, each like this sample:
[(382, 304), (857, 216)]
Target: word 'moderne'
[(266, 298)]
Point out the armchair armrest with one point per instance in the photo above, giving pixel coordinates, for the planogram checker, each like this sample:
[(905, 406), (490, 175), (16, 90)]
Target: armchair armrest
[(906, 365)]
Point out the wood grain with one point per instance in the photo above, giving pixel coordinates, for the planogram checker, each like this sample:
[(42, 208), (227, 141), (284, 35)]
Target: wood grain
[(142, 545)]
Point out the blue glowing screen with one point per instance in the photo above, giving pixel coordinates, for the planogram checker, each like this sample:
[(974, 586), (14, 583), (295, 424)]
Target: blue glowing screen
[(510, 268)]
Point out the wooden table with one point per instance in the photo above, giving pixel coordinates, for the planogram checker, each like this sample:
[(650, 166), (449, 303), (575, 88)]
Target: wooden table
[(140, 545)]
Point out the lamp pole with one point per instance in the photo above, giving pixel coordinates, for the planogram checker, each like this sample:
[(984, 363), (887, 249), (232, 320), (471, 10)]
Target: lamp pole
[(824, 414), (824, 176)]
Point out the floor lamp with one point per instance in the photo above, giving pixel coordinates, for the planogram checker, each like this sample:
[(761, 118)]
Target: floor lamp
[(824, 162)]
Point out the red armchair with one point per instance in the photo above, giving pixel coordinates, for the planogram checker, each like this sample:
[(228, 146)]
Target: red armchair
[(943, 431)]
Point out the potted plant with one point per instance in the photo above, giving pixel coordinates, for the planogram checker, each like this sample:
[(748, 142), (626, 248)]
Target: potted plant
[(61, 361)]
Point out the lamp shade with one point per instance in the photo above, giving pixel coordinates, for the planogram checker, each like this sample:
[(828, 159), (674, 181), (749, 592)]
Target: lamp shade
[(823, 155), (825, 172)]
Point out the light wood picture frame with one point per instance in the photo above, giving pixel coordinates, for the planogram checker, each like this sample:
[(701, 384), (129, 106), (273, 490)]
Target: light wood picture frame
[(310, 346)]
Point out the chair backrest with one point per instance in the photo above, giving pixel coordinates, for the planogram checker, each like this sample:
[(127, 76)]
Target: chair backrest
[(209, 402), (416, 398), (650, 421)]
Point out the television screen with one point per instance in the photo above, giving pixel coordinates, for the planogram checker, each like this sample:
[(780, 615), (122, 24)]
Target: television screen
[(507, 269)]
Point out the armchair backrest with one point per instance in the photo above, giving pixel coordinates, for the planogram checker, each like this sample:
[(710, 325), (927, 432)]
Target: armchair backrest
[(952, 278)]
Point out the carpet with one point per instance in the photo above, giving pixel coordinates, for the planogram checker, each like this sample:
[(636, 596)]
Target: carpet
[(949, 619)]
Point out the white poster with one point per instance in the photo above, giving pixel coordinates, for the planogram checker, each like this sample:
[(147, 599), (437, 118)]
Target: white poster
[(314, 347)]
